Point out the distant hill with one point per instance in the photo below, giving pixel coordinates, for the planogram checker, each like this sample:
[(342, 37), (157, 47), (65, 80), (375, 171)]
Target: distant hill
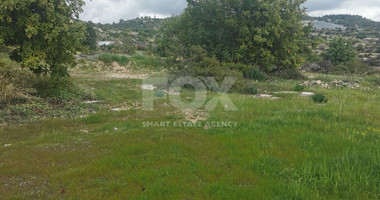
[(138, 24), (349, 21), (323, 25)]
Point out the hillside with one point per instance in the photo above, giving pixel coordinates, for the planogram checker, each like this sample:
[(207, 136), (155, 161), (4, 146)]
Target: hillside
[(351, 21), (323, 25), (138, 24)]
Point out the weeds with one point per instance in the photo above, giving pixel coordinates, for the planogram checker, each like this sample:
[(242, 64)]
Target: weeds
[(319, 98), (145, 62), (14, 83), (252, 90), (59, 89), (255, 74), (109, 58), (299, 88)]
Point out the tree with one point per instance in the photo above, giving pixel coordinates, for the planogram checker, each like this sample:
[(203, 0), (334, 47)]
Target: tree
[(266, 33), (340, 51), (90, 40), (128, 44), (378, 47), (44, 35)]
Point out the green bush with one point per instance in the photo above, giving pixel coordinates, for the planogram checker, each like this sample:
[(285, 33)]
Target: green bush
[(15, 83), (319, 98), (374, 79), (350, 68), (256, 74), (299, 88), (159, 93), (251, 90), (109, 58), (340, 51), (200, 65), (58, 88), (287, 74), (245, 87), (145, 62)]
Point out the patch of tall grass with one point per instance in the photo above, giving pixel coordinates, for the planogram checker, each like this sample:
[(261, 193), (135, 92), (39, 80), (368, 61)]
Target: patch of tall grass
[(110, 58)]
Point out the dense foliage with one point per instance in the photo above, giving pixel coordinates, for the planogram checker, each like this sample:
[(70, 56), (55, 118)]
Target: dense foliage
[(109, 58), (264, 33), (340, 51), (44, 35), (138, 24), (319, 98), (91, 36)]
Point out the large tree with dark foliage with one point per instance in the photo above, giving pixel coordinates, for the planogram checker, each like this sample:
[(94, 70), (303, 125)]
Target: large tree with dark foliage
[(44, 35), (261, 32), (340, 51), (90, 40)]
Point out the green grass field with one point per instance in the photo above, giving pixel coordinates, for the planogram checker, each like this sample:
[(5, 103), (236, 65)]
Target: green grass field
[(290, 148)]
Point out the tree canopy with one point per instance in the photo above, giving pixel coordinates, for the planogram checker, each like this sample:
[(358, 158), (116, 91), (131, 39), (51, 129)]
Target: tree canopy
[(90, 40), (340, 51), (44, 35), (264, 33)]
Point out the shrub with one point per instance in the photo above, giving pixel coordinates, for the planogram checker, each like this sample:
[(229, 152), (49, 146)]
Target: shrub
[(355, 67), (319, 98), (58, 88), (320, 67), (145, 62), (256, 74), (251, 90), (299, 88), (373, 61), (340, 51), (373, 79), (288, 74), (14, 83), (159, 93), (245, 87), (200, 65), (109, 58)]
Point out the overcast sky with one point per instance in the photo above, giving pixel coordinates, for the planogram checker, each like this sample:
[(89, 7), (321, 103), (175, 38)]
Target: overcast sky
[(108, 11)]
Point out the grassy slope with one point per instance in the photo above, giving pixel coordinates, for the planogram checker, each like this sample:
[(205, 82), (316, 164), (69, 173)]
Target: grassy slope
[(283, 149)]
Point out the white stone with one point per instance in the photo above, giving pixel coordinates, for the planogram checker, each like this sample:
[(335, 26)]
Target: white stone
[(265, 96), (7, 145), (117, 109), (91, 102), (325, 85), (286, 92), (306, 94), (148, 87), (84, 131)]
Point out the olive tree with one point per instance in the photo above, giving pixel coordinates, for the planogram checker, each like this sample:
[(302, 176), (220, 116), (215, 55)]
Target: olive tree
[(255, 32), (340, 51), (44, 35)]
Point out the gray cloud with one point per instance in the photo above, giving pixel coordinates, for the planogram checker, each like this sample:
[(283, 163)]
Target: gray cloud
[(313, 5), (108, 11)]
